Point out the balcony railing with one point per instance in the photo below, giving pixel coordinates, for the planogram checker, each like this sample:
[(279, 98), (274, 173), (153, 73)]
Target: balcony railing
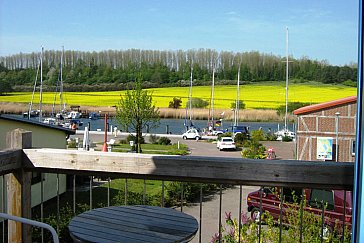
[(20, 160)]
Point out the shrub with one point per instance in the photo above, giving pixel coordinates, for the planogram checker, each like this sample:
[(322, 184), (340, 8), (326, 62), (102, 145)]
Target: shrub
[(72, 144), (241, 105), (258, 135), (175, 103), (240, 138), (153, 139), (164, 141), (199, 103), (253, 150), (286, 139), (131, 137), (350, 83)]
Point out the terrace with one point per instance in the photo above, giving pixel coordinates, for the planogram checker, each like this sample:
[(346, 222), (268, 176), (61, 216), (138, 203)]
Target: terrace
[(21, 159)]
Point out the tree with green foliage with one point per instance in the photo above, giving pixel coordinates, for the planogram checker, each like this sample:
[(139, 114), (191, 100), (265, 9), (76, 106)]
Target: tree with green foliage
[(136, 111), (199, 103), (175, 103), (241, 105)]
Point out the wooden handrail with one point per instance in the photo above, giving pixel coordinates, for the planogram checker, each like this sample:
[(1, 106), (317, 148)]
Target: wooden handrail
[(288, 173)]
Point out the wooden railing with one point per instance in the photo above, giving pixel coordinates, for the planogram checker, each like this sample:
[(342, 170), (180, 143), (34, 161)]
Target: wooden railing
[(20, 159)]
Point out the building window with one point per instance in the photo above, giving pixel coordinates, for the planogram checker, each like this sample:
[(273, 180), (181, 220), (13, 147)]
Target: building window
[(37, 177), (353, 147)]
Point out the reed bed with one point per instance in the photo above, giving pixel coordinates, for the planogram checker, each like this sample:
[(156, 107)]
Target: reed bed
[(169, 113), (203, 114)]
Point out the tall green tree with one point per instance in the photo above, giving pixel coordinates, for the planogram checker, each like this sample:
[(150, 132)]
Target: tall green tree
[(137, 111)]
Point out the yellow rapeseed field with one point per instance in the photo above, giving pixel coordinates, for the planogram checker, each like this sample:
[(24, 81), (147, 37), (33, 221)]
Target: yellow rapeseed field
[(255, 96)]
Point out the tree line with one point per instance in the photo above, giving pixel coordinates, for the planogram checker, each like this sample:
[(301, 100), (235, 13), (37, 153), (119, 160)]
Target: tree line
[(115, 69)]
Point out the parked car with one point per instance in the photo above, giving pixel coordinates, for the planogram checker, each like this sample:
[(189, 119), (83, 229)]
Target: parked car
[(192, 133), (240, 129), (226, 143), (331, 202)]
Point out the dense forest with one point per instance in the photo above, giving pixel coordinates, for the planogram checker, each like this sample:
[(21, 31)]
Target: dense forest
[(113, 70)]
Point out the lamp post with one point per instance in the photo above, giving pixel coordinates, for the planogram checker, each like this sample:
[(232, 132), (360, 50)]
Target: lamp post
[(337, 114)]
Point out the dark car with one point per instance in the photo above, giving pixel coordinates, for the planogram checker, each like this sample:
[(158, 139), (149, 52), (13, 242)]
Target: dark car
[(331, 202), (240, 129)]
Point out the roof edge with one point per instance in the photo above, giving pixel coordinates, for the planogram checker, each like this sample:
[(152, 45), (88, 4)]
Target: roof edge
[(321, 106)]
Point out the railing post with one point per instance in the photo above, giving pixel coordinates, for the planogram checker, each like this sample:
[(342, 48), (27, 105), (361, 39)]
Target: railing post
[(18, 185)]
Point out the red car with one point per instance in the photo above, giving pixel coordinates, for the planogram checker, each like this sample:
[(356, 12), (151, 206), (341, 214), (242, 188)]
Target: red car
[(317, 201)]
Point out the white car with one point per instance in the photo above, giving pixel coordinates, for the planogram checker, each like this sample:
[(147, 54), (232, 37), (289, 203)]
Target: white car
[(226, 143), (192, 133)]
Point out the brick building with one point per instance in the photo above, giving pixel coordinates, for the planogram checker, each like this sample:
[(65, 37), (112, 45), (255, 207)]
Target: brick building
[(325, 126)]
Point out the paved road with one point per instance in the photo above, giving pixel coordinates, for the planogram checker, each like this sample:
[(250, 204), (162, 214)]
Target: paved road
[(230, 197)]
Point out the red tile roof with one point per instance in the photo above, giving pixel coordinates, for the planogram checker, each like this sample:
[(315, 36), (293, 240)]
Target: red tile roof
[(329, 104)]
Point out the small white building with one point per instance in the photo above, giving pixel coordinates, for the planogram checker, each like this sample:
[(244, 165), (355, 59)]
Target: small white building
[(43, 136)]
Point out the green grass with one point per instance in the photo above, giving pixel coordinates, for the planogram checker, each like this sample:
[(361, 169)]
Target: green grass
[(268, 95), (154, 149)]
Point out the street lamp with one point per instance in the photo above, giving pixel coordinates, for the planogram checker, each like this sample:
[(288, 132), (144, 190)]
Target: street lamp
[(337, 114)]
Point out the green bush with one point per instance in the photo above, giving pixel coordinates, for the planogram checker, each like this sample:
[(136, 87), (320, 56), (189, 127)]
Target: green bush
[(164, 141), (241, 105), (240, 138), (253, 150), (350, 83), (72, 144), (286, 139), (153, 139), (258, 135), (199, 103), (131, 137)]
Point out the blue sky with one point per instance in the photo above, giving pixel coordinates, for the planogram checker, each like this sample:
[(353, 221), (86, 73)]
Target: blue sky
[(318, 29)]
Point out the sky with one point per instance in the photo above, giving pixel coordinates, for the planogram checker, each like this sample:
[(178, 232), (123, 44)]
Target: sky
[(318, 29)]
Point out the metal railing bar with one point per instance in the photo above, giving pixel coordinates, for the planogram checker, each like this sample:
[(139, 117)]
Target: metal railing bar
[(322, 222), (34, 223), (58, 214), (344, 216), (74, 194), (303, 199), (182, 197), (162, 194), (91, 180), (144, 191), (260, 212), (126, 192), (220, 209), (3, 203), (41, 204), (240, 211), (281, 215), (200, 225), (108, 191)]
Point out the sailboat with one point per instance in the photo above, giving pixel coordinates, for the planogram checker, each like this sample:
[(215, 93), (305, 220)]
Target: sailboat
[(189, 104), (31, 112), (285, 132)]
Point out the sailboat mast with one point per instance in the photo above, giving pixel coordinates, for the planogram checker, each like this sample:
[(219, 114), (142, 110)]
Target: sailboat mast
[(62, 106), (286, 114), (237, 105), (190, 94), (212, 96), (41, 86)]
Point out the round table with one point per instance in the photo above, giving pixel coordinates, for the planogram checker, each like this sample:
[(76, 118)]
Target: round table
[(133, 224)]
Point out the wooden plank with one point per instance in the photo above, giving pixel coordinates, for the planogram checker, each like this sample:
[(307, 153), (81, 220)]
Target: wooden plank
[(10, 160), (196, 168), (19, 190)]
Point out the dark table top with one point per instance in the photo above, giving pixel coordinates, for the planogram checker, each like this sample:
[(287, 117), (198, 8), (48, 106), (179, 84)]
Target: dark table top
[(133, 224)]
